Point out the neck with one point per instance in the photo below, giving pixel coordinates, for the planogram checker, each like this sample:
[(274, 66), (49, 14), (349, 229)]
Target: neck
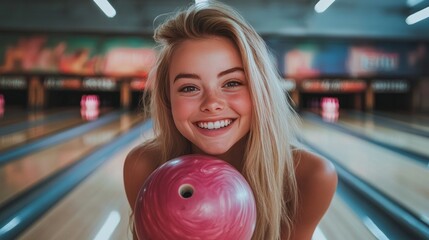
[(233, 156)]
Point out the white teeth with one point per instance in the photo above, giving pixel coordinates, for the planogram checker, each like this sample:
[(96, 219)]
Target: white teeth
[(214, 125)]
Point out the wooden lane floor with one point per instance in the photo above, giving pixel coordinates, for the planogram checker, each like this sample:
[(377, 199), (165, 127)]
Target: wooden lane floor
[(15, 115), (26, 135), (18, 138), (411, 120), (340, 223), (85, 211), (400, 178), (24, 172), (421, 119), (388, 135)]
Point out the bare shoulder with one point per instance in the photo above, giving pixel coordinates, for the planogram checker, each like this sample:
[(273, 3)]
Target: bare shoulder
[(317, 182), (139, 164), (311, 167)]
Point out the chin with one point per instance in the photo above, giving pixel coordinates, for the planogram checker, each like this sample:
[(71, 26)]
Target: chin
[(214, 151)]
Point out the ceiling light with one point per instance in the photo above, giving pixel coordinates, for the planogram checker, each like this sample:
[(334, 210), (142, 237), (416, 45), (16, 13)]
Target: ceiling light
[(322, 5), (417, 16), (106, 7)]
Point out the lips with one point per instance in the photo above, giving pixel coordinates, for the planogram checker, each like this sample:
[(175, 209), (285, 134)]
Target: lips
[(214, 124)]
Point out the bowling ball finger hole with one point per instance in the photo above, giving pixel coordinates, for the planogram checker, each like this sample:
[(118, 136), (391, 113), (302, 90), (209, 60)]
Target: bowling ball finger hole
[(186, 191)]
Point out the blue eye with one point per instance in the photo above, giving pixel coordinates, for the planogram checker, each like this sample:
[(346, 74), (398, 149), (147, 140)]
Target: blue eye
[(188, 89), (232, 84)]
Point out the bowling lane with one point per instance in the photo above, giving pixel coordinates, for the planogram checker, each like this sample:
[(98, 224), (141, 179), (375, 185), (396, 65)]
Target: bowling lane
[(13, 115), (16, 115), (26, 135), (393, 121), (99, 202), (21, 173), (391, 136), (17, 138), (340, 223), (401, 179), (417, 120)]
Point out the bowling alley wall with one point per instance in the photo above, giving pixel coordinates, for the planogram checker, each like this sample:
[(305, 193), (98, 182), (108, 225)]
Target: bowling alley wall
[(55, 70), (44, 70)]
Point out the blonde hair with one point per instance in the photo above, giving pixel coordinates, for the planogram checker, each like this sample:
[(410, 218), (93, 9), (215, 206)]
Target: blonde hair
[(268, 165)]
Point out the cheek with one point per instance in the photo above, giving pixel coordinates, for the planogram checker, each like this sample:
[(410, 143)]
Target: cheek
[(181, 109), (242, 102)]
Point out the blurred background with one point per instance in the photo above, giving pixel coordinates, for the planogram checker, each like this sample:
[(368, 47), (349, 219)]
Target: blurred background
[(72, 75)]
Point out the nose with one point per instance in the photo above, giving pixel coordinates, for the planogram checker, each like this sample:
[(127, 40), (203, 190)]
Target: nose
[(212, 102)]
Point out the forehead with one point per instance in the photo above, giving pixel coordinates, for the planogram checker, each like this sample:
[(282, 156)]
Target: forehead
[(210, 52)]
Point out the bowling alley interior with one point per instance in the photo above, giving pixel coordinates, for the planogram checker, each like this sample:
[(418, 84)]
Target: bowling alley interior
[(74, 80)]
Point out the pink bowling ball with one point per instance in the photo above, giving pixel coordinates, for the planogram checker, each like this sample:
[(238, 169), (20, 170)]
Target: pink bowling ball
[(195, 197)]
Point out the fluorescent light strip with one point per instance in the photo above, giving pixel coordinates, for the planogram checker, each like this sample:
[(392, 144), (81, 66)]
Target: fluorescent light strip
[(322, 5), (109, 226), (417, 16), (106, 7)]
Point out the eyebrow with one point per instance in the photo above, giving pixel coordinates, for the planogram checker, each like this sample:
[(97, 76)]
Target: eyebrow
[(195, 76)]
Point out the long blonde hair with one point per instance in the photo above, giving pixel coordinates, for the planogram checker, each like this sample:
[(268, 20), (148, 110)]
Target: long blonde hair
[(268, 165)]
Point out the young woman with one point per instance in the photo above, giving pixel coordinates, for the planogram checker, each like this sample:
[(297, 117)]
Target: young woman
[(216, 91)]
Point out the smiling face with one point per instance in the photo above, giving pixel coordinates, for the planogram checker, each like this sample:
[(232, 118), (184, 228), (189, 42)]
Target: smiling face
[(210, 99)]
